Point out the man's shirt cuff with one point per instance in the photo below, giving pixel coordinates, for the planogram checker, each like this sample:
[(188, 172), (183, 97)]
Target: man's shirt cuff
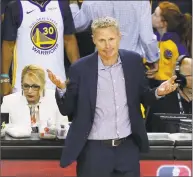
[(157, 96), (61, 92)]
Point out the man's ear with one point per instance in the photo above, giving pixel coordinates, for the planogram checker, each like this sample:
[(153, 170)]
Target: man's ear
[(93, 39)]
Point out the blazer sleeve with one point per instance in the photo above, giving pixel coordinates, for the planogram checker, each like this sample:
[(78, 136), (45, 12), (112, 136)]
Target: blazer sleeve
[(60, 119), (147, 95), (67, 103)]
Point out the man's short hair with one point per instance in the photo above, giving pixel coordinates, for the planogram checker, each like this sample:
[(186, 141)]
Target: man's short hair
[(104, 22)]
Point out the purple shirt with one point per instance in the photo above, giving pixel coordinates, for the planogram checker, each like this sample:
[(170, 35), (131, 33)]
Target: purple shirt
[(111, 119)]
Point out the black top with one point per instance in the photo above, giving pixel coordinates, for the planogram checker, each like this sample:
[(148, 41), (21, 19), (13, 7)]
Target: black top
[(12, 19), (4, 4), (167, 104), (170, 104)]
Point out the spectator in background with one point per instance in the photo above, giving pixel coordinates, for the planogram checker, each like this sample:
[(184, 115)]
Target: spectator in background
[(184, 5), (171, 103), (33, 104), (39, 28), (3, 7), (135, 22), (173, 31)]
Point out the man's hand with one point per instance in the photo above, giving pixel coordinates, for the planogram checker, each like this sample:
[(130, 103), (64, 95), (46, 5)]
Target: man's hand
[(56, 81), (167, 87), (6, 88), (152, 69)]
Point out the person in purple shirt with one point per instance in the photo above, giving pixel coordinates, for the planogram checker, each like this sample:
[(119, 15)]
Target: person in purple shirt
[(103, 93), (173, 31)]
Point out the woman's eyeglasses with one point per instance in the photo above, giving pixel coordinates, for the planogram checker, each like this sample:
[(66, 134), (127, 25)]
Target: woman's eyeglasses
[(33, 87)]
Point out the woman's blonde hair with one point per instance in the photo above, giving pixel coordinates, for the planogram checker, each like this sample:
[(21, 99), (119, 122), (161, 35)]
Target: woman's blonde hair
[(36, 74)]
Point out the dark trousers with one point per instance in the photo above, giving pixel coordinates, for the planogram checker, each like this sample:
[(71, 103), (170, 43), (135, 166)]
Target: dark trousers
[(101, 160)]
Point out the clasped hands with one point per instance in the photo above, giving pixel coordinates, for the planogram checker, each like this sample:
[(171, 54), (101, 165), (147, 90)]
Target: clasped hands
[(164, 89)]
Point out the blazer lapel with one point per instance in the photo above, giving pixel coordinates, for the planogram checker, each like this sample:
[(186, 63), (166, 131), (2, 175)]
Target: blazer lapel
[(127, 71), (92, 80)]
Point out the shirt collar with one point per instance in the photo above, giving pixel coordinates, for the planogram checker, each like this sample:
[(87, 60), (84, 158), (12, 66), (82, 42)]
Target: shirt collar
[(101, 66), (168, 36)]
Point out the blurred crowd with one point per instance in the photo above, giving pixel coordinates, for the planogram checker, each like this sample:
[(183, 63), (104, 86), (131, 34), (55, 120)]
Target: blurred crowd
[(33, 41)]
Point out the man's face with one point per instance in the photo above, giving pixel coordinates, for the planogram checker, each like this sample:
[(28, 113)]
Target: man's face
[(107, 42), (157, 20)]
